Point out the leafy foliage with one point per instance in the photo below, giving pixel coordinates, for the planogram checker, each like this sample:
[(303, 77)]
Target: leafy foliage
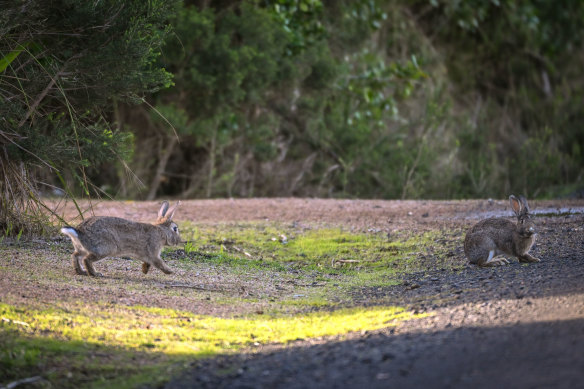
[(522, 61), (266, 87), (424, 98), (61, 63), (369, 98)]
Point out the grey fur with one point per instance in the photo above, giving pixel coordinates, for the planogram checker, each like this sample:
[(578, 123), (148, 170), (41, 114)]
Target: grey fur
[(487, 241), (99, 237)]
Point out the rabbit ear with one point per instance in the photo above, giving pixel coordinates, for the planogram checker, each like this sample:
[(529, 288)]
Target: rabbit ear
[(171, 211), (524, 203), (163, 209), (515, 204)]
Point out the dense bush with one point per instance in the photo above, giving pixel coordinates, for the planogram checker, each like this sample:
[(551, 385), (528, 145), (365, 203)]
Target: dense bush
[(62, 64), (367, 98), (387, 99)]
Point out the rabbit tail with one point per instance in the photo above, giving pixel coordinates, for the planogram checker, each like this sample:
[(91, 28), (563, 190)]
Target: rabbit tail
[(70, 232)]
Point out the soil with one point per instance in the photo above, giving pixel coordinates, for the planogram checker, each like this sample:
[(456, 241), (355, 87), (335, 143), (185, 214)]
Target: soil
[(518, 325)]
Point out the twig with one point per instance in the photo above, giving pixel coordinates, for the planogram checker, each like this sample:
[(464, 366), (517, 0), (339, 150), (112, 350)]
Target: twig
[(190, 287), (414, 166), (16, 322), (29, 380), (314, 284), (162, 117), (333, 261), (3, 134), (241, 251), (162, 162), (39, 99)]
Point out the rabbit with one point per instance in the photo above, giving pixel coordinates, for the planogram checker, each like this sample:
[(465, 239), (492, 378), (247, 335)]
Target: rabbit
[(487, 241), (103, 236)]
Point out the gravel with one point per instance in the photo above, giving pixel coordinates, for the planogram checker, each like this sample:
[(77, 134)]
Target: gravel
[(516, 326)]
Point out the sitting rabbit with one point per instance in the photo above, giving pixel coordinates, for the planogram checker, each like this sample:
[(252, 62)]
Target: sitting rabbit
[(487, 240), (104, 236)]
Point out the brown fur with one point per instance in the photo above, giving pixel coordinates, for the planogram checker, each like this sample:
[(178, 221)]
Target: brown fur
[(501, 236), (103, 236)]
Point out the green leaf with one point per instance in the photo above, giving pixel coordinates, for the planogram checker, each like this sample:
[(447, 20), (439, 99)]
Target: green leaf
[(8, 59)]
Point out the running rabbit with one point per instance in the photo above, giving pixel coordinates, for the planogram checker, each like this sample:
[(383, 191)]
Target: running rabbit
[(104, 236), (487, 241)]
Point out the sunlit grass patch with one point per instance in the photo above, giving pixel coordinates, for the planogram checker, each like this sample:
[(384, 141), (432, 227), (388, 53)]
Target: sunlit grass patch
[(324, 249), (110, 342), (326, 264)]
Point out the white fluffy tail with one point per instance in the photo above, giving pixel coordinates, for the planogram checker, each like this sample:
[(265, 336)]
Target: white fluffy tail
[(70, 231)]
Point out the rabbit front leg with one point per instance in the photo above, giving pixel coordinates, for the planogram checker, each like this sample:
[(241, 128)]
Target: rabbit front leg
[(159, 263), (526, 258)]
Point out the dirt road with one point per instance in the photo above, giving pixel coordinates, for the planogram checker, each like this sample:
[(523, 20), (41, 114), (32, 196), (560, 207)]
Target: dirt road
[(516, 326)]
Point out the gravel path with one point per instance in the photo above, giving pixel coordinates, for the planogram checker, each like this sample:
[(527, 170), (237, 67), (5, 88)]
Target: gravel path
[(516, 326)]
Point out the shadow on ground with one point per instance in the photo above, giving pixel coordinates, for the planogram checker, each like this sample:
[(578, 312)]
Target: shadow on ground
[(535, 355), (518, 326)]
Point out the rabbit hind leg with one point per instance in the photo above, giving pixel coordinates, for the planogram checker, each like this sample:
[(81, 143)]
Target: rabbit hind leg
[(493, 260), (145, 267), (76, 260), (88, 261)]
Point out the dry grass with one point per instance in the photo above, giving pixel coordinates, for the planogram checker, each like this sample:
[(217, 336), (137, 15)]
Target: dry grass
[(22, 213)]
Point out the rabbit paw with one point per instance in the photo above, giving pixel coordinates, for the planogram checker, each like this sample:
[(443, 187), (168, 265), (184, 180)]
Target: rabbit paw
[(496, 261), (528, 259)]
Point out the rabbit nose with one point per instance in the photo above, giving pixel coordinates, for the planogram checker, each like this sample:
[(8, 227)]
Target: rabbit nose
[(531, 229)]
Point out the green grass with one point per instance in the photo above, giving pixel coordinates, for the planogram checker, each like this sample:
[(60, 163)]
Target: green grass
[(119, 346), (297, 287), (328, 250)]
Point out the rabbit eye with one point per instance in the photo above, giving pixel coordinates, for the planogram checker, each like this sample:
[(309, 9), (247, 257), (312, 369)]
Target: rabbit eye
[(175, 228)]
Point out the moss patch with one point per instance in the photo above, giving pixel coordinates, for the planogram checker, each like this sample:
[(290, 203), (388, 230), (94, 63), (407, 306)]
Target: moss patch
[(328, 250)]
